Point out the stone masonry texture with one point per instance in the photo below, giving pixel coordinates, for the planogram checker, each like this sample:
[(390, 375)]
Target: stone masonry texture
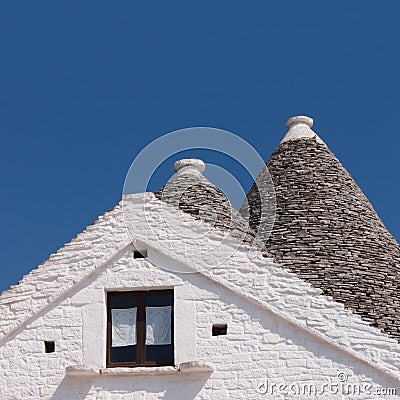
[(327, 232), (197, 196), (280, 329), (259, 347)]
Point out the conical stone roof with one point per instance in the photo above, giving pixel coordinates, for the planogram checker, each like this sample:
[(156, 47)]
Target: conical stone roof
[(326, 230), (192, 193)]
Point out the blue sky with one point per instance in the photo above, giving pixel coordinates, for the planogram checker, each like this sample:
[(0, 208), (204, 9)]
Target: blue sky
[(84, 86)]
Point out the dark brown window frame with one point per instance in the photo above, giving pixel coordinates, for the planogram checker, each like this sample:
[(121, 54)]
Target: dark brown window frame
[(140, 296)]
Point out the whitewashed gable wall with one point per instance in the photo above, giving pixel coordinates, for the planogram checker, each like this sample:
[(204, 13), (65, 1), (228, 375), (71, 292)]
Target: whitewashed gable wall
[(259, 346)]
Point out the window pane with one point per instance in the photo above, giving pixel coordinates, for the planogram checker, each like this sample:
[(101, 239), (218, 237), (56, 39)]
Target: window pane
[(156, 298), (122, 315), (126, 354), (123, 327), (162, 355), (159, 327)]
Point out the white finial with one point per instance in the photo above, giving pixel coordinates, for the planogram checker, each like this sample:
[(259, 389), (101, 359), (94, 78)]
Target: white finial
[(300, 128), (189, 165), (299, 119)]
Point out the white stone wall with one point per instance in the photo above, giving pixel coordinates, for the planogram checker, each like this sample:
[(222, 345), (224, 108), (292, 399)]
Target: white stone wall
[(280, 330), (260, 347), (76, 260), (247, 273)]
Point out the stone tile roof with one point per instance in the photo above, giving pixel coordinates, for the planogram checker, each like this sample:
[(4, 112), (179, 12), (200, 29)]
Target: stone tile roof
[(327, 232), (191, 192)]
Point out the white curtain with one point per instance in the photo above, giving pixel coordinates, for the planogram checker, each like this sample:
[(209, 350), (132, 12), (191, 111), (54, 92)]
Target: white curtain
[(158, 325), (123, 326)]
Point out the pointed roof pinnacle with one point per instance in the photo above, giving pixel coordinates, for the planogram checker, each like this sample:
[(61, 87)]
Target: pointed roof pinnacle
[(190, 191), (300, 128), (325, 229)]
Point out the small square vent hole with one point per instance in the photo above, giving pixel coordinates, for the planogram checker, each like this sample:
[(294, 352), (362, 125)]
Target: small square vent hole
[(219, 329), (49, 346), (140, 254)]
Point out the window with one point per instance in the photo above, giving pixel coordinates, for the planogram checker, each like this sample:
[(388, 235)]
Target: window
[(140, 328)]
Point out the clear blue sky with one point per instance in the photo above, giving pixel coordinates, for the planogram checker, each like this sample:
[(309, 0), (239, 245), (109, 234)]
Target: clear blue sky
[(84, 86)]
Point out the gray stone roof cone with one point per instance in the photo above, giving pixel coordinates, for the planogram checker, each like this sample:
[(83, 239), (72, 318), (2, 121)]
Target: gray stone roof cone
[(326, 231), (191, 192)]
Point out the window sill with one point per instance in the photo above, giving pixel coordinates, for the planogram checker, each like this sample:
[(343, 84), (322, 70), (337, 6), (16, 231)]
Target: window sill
[(191, 367)]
